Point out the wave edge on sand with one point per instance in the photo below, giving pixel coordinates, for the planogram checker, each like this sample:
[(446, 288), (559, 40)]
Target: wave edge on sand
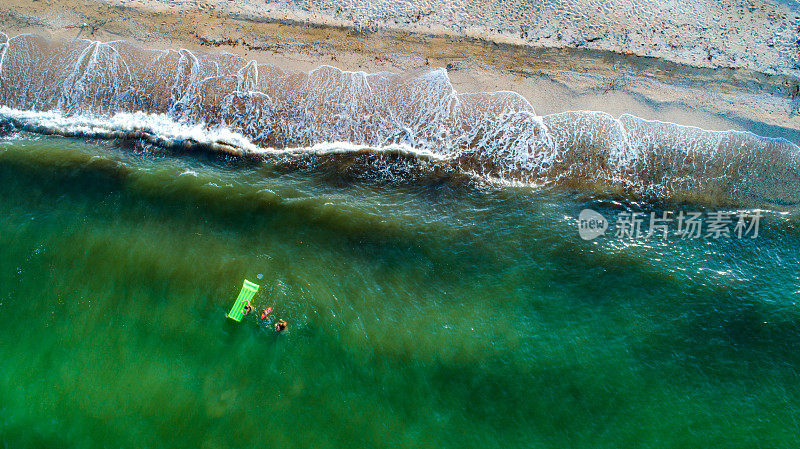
[(229, 103)]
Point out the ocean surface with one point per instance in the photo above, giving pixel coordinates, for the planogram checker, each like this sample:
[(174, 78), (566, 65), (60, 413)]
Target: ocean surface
[(423, 312), (424, 246)]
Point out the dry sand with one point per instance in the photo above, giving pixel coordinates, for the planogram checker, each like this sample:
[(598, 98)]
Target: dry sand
[(757, 35), (741, 95)]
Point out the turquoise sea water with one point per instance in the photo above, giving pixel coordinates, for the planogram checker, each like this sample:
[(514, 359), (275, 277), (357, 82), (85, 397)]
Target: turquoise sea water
[(423, 311)]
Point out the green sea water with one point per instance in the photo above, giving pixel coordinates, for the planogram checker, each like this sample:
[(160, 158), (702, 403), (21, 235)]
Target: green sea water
[(424, 312)]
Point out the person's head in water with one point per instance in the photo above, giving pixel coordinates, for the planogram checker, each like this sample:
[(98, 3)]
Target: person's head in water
[(248, 307), (280, 326)]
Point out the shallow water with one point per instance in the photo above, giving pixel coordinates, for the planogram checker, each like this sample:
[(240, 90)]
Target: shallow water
[(427, 311)]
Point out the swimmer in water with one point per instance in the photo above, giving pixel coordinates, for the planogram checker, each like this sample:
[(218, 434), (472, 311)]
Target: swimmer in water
[(265, 313), (280, 326), (247, 308)]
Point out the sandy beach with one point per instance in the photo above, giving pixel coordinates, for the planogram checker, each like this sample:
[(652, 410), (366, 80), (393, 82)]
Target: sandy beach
[(756, 93)]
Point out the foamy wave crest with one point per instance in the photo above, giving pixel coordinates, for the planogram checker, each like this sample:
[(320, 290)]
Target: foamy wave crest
[(172, 97), (163, 131)]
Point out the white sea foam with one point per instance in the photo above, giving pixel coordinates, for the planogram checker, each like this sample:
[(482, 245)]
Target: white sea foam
[(156, 128), (164, 131)]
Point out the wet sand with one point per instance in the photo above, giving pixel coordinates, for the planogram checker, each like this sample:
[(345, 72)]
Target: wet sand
[(553, 79)]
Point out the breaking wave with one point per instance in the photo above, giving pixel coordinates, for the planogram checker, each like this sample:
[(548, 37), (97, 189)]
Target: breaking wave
[(228, 103)]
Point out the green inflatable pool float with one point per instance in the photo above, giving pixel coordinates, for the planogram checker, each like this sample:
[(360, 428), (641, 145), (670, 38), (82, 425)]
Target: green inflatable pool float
[(249, 290)]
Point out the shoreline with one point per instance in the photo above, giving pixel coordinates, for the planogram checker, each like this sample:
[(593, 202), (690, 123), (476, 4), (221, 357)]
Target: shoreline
[(551, 79)]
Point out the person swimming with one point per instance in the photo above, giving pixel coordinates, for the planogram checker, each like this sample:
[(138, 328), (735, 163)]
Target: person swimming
[(280, 326), (265, 313), (247, 308)]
